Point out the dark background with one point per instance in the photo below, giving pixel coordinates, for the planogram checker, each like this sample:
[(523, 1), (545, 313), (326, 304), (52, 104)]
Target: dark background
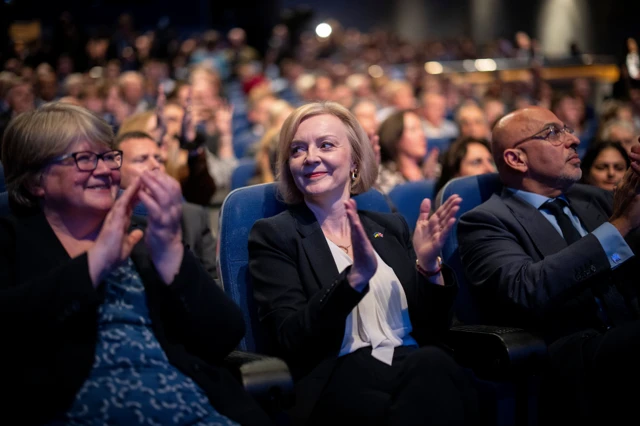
[(600, 26)]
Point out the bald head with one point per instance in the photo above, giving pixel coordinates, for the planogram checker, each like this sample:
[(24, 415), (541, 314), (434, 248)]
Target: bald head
[(516, 126)]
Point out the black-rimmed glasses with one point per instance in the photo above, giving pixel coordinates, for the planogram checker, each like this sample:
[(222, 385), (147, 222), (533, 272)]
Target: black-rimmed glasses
[(87, 161), (551, 133)]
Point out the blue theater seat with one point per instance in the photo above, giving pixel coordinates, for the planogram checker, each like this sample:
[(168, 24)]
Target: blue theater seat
[(408, 196), (510, 389)]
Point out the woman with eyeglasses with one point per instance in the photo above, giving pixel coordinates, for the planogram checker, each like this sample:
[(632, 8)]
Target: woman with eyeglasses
[(103, 323)]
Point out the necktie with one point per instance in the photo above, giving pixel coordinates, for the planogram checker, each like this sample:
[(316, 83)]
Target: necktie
[(569, 232)]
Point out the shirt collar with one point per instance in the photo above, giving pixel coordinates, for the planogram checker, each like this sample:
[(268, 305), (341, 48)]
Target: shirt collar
[(536, 200)]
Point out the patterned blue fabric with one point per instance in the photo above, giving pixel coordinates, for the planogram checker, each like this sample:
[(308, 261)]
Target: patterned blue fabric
[(132, 381)]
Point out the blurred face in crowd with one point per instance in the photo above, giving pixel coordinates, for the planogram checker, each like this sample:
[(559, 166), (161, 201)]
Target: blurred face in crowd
[(173, 115), (182, 95), (139, 155), (365, 113), (404, 99), (473, 122), (569, 111), (320, 158), (608, 169), (435, 108), (623, 135), (47, 87), (113, 70), (343, 95), (478, 160), (412, 142), (260, 114), (132, 91), (323, 88), (20, 98)]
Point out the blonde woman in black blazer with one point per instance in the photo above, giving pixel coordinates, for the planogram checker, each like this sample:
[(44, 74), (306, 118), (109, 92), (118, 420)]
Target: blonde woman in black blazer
[(355, 304)]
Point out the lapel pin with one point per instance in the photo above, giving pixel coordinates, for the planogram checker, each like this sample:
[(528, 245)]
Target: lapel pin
[(378, 235)]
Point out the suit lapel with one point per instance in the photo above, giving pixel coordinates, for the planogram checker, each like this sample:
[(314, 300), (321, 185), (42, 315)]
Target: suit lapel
[(545, 237), (315, 245)]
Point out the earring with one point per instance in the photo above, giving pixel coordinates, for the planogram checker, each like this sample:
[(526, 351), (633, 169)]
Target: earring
[(354, 175)]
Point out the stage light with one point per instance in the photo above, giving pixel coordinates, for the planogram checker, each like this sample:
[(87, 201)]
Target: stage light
[(323, 30), (433, 67)]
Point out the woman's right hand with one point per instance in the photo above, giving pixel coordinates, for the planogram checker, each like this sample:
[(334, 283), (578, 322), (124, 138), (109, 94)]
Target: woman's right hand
[(114, 242), (365, 263)]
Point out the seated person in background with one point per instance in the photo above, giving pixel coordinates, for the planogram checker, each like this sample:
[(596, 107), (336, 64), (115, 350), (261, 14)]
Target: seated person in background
[(266, 157), (188, 168), (141, 153), (620, 131), (604, 165), (403, 151), (434, 113), (356, 312), (550, 255), (266, 150), (365, 112), (472, 121), (466, 157), (102, 323)]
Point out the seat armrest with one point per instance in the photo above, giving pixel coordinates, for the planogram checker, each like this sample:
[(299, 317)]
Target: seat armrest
[(496, 352), (266, 378)]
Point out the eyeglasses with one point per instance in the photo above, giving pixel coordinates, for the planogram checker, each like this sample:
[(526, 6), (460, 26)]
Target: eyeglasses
[(551, 133), (87, 161)]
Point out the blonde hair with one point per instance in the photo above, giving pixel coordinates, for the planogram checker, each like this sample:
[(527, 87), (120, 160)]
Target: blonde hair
[(361, 149), (136, 122), (33, 138)]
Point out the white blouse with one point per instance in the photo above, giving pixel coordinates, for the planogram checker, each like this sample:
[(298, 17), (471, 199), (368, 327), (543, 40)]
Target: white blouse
[(381, 319)]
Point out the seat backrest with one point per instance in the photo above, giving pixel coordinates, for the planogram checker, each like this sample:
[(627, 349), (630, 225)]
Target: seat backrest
[(240, 210), (441, 143), (474, 191), (242, 174), (408, 196), (4, 204)]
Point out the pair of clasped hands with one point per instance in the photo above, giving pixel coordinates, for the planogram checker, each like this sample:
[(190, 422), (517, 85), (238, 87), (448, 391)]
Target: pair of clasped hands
[(162, 197), (428, 238)]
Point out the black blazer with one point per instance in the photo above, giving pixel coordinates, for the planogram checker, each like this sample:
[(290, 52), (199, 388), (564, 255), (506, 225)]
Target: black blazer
[(48, 314), (524, 274), (303, 301)]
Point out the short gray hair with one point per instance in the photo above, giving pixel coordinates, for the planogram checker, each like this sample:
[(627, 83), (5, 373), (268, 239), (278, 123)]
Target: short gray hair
[(33, 138)]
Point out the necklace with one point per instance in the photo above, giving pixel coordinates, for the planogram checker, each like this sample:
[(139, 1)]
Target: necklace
[(345, 248)]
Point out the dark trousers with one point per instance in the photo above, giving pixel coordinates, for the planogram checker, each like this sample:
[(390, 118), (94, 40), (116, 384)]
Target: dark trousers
[(595, 377), (423, 386)]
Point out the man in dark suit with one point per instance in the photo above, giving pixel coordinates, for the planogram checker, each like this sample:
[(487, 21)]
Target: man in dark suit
[(140, 153), (558, 257)]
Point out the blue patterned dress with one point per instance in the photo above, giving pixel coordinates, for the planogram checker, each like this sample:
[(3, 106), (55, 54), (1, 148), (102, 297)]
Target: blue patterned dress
[(132, 381)]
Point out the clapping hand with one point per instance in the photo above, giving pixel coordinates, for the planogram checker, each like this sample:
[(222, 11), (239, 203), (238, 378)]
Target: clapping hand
[(162, 197), (114, 242), (432, 230), (365, 263)]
